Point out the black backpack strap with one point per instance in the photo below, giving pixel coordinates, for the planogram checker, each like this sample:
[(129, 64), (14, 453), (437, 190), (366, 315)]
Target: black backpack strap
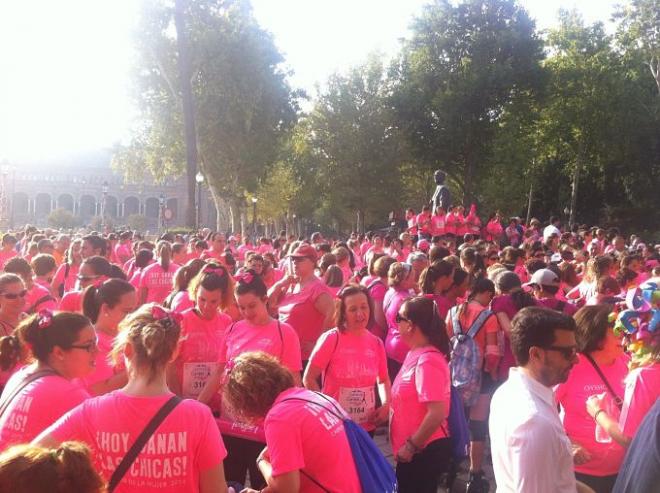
[(141, 441), (10, 396), (617, 400)]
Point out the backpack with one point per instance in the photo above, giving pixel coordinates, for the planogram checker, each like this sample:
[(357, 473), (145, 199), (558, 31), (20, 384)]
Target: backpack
[(375, 473), (465, 362)]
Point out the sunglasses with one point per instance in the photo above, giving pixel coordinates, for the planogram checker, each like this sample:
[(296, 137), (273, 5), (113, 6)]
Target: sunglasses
[(13, 296), (400, 318), (90, 347), (87, 278), (568, 352)]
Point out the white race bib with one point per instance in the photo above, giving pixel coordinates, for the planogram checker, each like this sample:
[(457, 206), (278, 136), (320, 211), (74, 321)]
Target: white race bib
[(358, 402), (195, 376)]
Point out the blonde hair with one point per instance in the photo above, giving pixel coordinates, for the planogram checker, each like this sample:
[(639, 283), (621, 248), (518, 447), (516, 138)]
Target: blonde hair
[(31, 468), (397, 273)]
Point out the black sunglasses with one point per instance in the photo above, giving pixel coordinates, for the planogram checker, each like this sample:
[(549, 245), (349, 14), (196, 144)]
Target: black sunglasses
[(13, 296), (568, 352), (87, 278), (90, 347), (400, 318)]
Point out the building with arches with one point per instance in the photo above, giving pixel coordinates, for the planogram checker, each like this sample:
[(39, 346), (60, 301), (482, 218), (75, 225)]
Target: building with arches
[(89, 188)]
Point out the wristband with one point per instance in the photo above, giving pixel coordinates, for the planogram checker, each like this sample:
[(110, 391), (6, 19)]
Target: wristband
[(597, 413)]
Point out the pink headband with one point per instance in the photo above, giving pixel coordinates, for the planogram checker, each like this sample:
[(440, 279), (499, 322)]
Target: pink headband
[(167, 317), (245, 278), (44, 319)]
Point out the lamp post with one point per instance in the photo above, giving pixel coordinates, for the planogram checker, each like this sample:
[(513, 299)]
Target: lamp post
[(295, 226), (161, 211), (104, 191), (254, 218), (567, 213), (199, 179)]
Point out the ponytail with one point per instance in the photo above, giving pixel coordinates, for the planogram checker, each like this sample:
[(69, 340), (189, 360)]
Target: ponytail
[(423, 312), (11, 351), (164, 250), (109, 293)]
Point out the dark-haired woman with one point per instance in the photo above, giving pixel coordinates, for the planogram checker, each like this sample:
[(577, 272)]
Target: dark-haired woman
[(156, 279), (420, 399), (179, 299), (12, 302), (434, 282), (106, 306), (257, 331), (352, 361), (93, 271), (143, 259), (203, 328), (37, 297), (64, 347), (307, 448), (601, 366), (510, 299), (184, 453)]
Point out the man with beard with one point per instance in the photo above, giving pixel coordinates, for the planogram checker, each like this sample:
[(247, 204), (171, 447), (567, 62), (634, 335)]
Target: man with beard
[(530, 449)]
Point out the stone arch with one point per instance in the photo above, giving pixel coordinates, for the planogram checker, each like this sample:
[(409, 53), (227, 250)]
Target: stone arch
[(173, 205), (87, 206), (131, 206), (151, 207), (21, 203), (65, 201), (42, 204)]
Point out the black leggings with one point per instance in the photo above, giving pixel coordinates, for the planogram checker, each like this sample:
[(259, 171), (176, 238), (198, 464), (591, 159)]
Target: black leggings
[(600, 484), (422, 474), (241, 457)]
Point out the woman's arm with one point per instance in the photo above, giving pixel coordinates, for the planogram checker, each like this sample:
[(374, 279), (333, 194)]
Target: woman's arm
[(504, 321), (436, 412), (311, 378), (213, 480), (142, 296), (602, 419), (277, 291), (117, 381), (288, 482), (212, 385), (326, 306), (381, 414)]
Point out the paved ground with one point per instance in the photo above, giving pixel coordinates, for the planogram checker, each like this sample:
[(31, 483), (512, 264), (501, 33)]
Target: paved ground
[(381, 439)]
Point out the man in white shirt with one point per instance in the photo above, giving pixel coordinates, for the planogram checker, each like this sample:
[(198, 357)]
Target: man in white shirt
[(531, 452), (552, 228)]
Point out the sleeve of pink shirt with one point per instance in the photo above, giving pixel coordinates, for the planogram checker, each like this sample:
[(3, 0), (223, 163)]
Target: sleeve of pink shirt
[(71, 426), (211, 449), (284, 445), (291, 356), (432, 378), (323, 350), (382, 362)]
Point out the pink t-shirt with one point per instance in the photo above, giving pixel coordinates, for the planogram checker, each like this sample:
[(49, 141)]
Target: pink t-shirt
[(583, 382), (302, 435), (437, 225), (69, 279), (103, 370), (424, 377), (157, 281), (351, 365), (6, 256), (182, 302), (642, 390), (37, 406), (200, 345), (276, 338), (394, 345), (71, 302), (36, 293), (186, 443)]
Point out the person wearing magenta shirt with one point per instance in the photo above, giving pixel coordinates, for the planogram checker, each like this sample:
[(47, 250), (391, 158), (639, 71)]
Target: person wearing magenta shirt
[(203, 329), (258, 331), (106, 306), (420, 399), (64, 348), (303, 300), (67, 273), (352, 361), (307, 447), (401, 280), (601, 366), (218, 243), (185, 452), (156, 279), (93, 271), (434, 281), (37, 297)]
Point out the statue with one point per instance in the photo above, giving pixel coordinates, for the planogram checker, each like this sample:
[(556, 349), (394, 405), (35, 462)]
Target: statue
[(442, 195)]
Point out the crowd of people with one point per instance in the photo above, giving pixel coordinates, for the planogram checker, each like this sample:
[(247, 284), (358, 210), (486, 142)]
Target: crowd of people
[(206, 362)]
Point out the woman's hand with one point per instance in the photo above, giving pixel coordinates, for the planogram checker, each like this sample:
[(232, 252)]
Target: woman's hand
[(404, 454), (580, 455), (595, 404), (381, 415)]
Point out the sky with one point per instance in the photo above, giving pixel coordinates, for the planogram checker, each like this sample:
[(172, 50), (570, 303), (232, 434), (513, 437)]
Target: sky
[(64, 65)]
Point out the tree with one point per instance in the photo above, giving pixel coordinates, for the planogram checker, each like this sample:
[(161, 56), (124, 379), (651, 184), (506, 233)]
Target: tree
[(62, 218), (457, 75), (243, 103), (137, 222)]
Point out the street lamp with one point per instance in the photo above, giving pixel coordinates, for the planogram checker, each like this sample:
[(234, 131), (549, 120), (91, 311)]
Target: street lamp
[(199, 179), (104, 191), (254, 218), (161, 209)]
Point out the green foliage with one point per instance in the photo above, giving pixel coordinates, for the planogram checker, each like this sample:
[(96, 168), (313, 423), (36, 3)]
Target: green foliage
[(137, 222), (62, 219)]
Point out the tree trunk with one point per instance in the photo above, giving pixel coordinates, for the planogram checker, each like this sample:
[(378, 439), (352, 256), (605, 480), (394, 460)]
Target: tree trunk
[(574, 189), (529, 203), (243, 223), (185, 72)]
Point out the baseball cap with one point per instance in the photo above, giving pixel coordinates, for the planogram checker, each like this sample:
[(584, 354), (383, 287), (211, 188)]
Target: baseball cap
[(305, 251), (543, 277)]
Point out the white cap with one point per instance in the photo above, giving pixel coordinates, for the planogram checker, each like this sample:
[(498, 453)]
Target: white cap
[(543, 277)]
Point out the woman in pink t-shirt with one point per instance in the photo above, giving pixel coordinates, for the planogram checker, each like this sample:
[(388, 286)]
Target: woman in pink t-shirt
[(420, 399), (401, 280), (93, 272), (12, 302), (377, 288), (179, 299), (307, 448), (434, 281), (602, 366), (156, 279), (67, 273), (258, 331), (185, 453), (37, 297), (64, 347), (106, 306), (203, 329), (352, 361)]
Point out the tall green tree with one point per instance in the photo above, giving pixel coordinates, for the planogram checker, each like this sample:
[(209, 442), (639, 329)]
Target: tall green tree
[(464, 65), (243, 103)]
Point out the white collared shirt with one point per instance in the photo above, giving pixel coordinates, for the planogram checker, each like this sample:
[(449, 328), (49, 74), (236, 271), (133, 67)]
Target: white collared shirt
[(530, 449)]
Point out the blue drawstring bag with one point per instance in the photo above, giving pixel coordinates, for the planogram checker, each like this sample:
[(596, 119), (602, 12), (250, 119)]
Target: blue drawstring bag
[(459, 429)]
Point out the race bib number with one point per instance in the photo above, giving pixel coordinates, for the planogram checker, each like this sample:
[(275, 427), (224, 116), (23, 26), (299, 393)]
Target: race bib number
[(358, 402), (195, 376)]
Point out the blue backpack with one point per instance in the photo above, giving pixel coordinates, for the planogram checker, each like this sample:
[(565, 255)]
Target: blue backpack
[(459, 430), (375, 473), (465, 362)]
